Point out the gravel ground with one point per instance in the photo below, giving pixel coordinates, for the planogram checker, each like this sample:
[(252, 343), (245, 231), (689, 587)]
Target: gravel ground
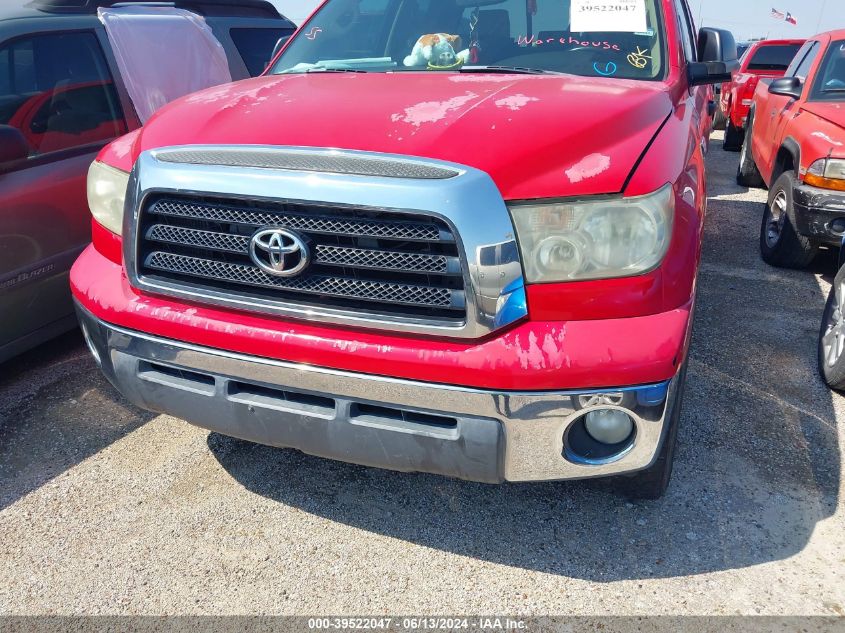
[(108, 509)]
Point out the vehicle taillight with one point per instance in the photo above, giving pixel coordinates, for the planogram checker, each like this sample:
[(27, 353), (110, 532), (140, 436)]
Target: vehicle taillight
[(750, 87)]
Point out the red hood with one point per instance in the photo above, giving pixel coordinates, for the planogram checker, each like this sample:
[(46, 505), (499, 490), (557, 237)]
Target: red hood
[(831, 111), (536, 136)]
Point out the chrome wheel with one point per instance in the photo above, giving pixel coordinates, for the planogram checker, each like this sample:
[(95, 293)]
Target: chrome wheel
[(743, 153), (776, 220), (833, 341)]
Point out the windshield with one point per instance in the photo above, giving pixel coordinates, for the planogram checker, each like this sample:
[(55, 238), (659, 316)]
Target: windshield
[(595, 38), (777, 57), (830, 80)]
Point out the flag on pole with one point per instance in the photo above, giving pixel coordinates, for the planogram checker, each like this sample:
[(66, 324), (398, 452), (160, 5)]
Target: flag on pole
[(791, 19), (778, 15)]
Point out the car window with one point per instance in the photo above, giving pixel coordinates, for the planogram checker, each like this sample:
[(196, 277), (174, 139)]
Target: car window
[(5, 72), (799, 57), (443, 35), (830, 79), (774, 57), (686, 30), (803, 69), (58, 91), (256, 46), (487, 255)]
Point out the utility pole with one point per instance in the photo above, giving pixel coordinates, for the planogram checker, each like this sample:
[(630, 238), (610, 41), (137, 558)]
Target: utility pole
[(821, 17), (700, 10)]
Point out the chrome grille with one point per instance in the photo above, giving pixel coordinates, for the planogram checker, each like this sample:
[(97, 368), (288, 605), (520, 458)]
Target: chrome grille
[(372, 261)]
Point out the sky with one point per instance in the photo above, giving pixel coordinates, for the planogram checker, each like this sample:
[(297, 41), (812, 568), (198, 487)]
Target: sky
[(299, 10), (746, 18), (752, 18)]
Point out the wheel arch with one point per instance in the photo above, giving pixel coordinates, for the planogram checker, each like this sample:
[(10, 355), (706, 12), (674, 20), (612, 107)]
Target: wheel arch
[(788, 158)]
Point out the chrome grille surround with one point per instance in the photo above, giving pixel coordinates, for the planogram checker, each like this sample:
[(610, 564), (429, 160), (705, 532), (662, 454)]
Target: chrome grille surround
[(465, 210)]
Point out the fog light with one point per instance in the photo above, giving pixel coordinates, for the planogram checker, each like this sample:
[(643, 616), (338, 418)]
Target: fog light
[(609, 426)]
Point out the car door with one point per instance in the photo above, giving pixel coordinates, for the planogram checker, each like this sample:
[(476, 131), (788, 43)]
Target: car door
[(777, 110), (58, 91)]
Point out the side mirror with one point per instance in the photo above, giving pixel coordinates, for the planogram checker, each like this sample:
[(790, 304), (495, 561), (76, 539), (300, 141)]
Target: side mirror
[(717, 58), (791, 87), (13, 144)]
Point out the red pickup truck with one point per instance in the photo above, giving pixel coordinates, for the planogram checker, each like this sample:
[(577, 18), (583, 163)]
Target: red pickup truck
[(436, 237), (796, 147), (768, 59)]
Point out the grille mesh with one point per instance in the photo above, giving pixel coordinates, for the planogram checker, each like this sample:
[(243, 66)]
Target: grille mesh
[(370, 290), (379, 263), (381, 259), (332, 163), (329, 255), (196, 237), (308, 223)]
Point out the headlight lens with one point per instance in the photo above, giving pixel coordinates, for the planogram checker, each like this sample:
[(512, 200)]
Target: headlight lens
[(574, 241), (827, 173), (106, 194)]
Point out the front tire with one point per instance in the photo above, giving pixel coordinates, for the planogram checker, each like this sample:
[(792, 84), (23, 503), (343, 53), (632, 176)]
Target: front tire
[(719, 120), (832, 336), (652, 483), (780, 243), (733, 137)]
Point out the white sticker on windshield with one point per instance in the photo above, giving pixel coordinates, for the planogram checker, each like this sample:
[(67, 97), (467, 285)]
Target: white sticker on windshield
[(606, 16)]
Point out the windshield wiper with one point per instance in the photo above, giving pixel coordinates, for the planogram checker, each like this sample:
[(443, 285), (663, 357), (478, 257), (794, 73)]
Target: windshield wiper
[(515, 70), (334, 70)]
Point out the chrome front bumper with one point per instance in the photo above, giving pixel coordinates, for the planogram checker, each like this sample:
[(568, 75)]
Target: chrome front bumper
[(388, 423)]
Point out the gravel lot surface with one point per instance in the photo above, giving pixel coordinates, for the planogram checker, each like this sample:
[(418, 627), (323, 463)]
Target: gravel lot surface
[(108, 509)]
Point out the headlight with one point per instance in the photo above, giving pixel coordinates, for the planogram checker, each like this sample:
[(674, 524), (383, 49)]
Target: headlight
[(106, 194), (602, 239), (827, 173)]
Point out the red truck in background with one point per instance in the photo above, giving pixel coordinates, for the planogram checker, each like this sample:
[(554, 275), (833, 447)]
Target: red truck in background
[(766, 59), (796, 147), (390, 251)]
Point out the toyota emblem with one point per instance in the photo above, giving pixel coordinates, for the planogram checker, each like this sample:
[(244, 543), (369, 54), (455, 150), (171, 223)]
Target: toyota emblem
[(279, 252)]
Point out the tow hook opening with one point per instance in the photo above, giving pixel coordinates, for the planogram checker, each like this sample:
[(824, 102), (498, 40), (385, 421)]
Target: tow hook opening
[(90, 343)]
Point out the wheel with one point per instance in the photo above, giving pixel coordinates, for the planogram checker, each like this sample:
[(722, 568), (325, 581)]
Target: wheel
[(780, 244), (733, 137), (719, 119), (653, 482), (747, 174), (832, 336)]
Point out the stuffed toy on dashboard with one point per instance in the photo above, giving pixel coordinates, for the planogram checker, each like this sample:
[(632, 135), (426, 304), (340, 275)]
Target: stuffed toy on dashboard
[(437, 50)]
